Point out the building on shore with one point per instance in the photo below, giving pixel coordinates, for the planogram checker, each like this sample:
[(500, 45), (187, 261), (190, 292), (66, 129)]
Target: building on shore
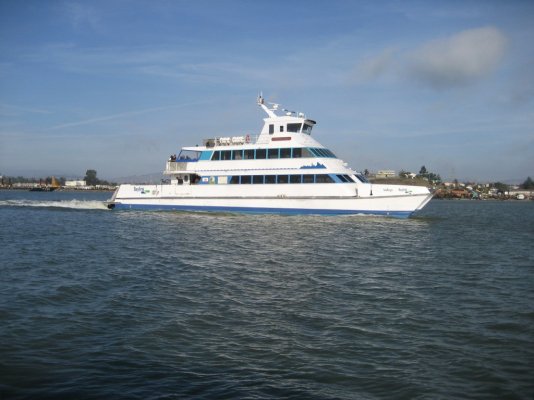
[(386, 173), (75, 184)]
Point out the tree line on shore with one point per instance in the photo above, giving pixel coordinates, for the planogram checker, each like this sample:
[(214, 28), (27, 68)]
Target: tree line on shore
[(433, 179), (90, 180)]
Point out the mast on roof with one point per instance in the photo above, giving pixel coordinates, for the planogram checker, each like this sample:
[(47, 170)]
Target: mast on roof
[(269, 111)]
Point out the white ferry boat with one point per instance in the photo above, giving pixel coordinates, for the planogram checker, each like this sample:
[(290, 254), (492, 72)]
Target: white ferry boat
[(282, 170)]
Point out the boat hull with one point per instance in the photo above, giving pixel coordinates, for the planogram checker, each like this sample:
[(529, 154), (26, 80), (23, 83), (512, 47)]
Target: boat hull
[(401, 206)]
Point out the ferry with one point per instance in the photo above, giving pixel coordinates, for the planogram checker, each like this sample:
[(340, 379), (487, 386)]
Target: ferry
[(283, 170)]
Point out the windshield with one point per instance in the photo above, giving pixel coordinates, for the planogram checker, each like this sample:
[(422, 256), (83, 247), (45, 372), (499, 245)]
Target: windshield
[(293, 127), (307, 129)]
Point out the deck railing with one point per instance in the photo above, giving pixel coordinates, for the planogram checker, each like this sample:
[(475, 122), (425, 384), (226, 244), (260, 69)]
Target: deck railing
[(173, 166), (233, 141)]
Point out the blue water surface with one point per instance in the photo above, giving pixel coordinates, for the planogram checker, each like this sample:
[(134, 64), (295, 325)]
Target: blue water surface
[(169, 305)]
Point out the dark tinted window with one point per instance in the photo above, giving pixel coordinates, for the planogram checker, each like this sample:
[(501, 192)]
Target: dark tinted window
[(271, 129), (234, 179), (285, 153), (308, 178), (257, 179), (282, 179), (237, 155), (270, 178), (246, 179), (273, 153), (261, 154), (297, 153), (306, 153), (362, 178), (323, 178), (226, 155), (249, 154), (330, 154), (293, 127), (216, 155), (295, 178)]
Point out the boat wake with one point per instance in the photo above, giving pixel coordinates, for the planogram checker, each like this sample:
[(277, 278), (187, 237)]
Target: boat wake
[(63, 204)]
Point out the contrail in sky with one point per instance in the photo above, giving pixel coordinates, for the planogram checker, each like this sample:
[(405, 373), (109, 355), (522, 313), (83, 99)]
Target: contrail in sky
[(119, 115)]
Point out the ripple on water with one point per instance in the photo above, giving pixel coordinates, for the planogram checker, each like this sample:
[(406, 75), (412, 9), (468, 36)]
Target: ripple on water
[(180, 305)]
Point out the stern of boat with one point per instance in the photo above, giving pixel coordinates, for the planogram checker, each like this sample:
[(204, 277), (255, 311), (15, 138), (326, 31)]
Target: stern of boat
[(111, 202)]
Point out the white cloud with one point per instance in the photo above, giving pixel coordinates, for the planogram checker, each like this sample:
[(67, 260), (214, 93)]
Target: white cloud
[(458, 60), (373, 67), (455, 61)]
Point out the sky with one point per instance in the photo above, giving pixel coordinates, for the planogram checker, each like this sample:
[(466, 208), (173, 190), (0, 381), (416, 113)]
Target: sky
[(118, 85)]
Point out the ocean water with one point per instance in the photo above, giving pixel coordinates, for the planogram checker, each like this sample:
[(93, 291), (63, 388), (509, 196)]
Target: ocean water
[(98, 304)]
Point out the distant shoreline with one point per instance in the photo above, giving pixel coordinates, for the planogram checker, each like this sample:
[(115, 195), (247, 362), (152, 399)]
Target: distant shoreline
[(480, 200), (60, 190)]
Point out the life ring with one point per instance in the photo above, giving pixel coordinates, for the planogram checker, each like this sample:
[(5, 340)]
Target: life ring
[(247, 138)]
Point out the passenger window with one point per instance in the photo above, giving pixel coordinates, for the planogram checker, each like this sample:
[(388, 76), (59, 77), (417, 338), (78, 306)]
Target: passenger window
[(273, 153), (295, 178), (316, 151), (245, 179), (271, 129), (257, 179), (308, 179), (362, 178), (281, 128), (237, 155), (328, 153), (270, 178), (261, 154), (306, 153), (249, 154), (234, 180), (282, 179), (226, 155), (323, 178), (297, 153), (285, 153), (216, 156)]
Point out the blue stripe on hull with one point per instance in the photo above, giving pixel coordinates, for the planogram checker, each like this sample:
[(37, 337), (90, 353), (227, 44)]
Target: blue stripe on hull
[(259, 210)]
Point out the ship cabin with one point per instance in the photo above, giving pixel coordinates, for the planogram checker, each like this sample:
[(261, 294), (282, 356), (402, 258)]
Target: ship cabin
[(284, 136)]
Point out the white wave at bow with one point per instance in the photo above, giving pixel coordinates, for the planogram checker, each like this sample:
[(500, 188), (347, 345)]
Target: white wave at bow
[(71, 204)]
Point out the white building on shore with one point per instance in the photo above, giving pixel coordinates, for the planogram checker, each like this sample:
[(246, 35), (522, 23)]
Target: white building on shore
[(384, 174), (75, 184)]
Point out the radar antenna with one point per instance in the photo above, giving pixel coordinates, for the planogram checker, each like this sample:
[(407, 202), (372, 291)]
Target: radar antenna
[(269, 111)]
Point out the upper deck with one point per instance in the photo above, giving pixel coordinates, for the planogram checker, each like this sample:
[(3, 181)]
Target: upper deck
[(283, 136), (276, 128)]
